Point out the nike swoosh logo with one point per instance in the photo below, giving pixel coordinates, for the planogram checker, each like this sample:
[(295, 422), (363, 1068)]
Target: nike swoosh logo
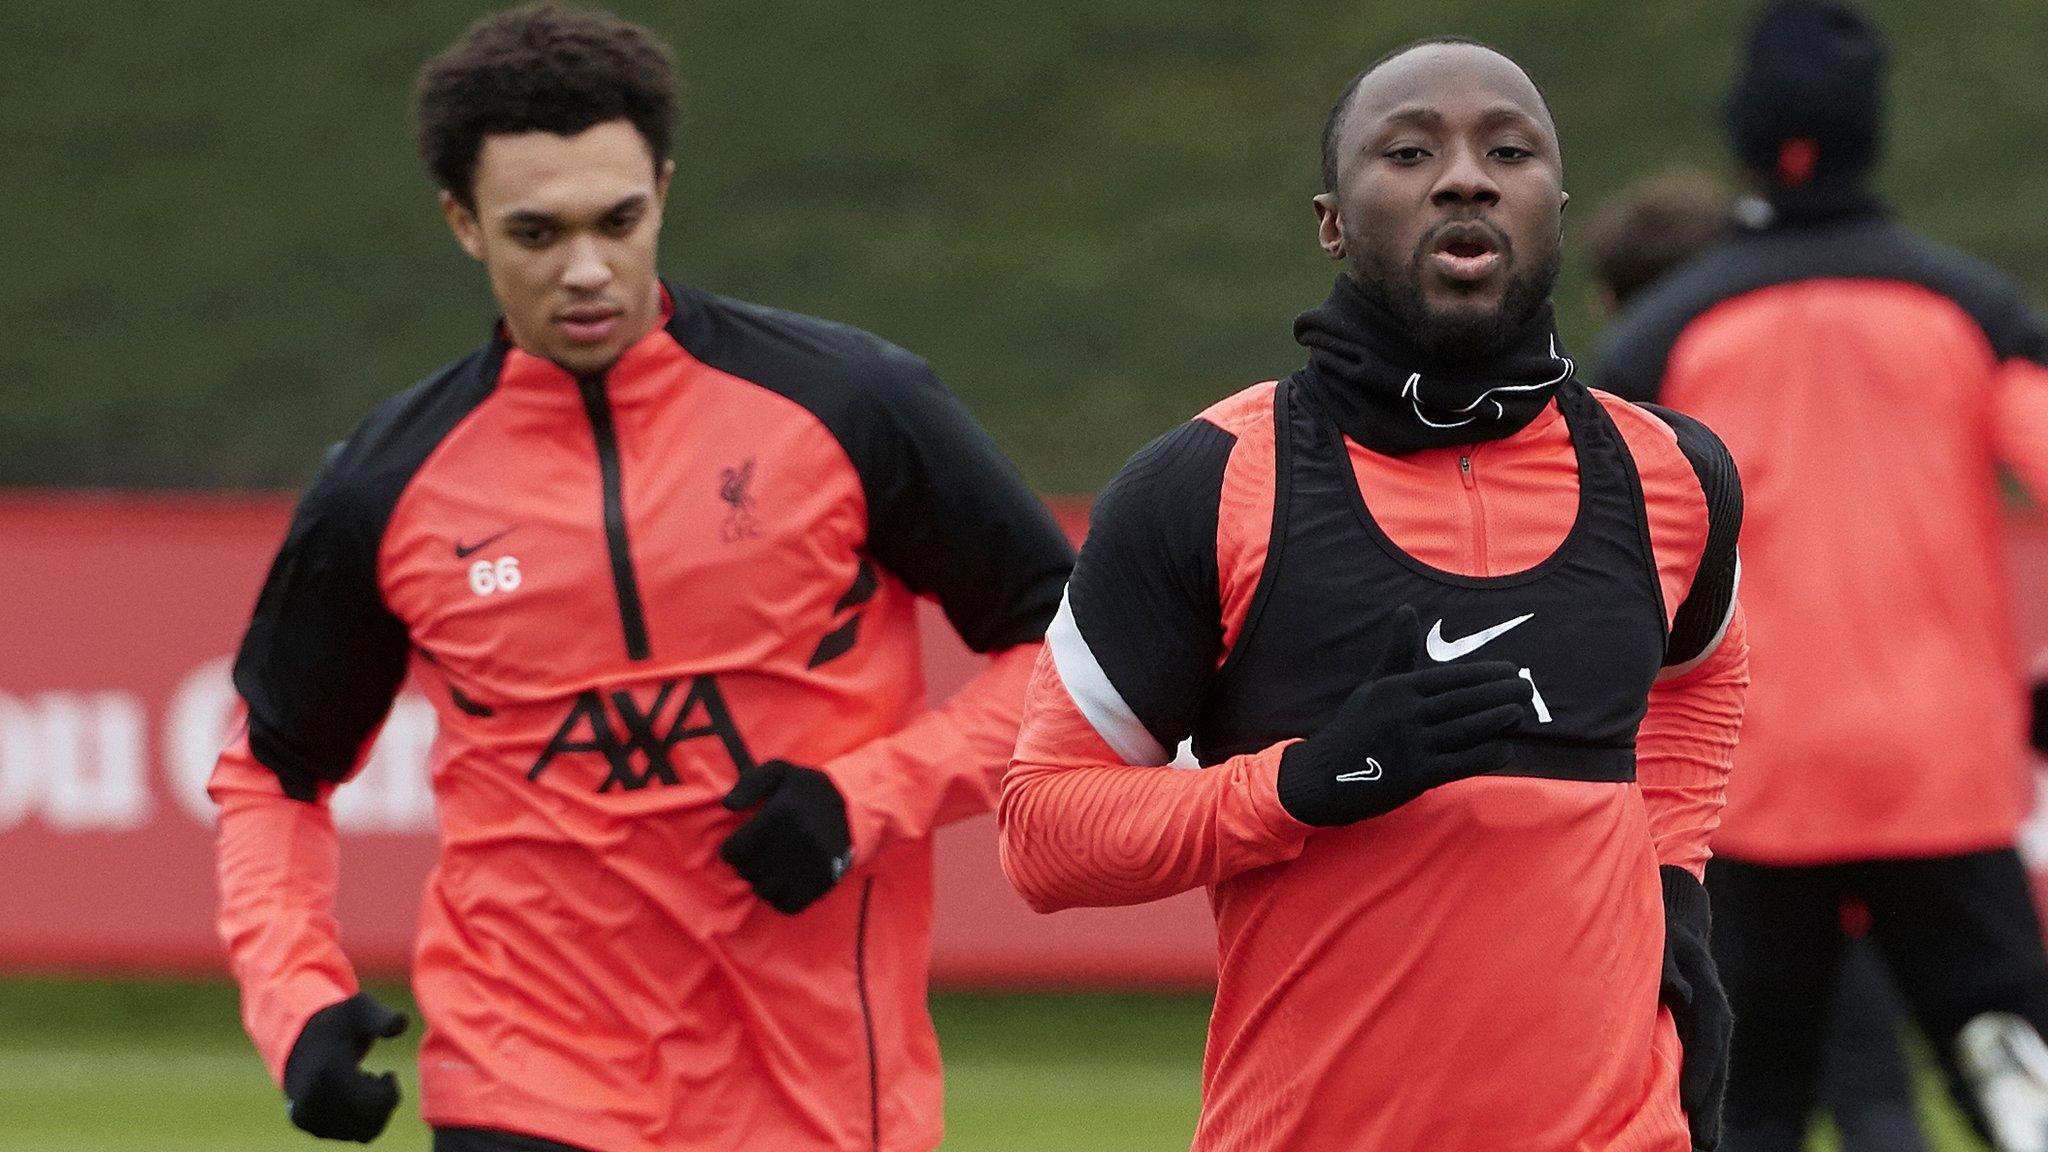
[(1371, 771), (463, 551), (1442, 650)]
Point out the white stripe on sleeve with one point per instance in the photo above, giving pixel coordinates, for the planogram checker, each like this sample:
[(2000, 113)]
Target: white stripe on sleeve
[(1720, 633), (1097, 698)]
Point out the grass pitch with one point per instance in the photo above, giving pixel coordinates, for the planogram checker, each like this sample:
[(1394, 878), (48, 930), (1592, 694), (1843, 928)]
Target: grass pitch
[(91, 1066), (94, 1066)]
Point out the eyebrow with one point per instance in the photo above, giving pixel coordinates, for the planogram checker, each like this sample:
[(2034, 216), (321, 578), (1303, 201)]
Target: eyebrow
[(1417, 114), (1425, 116), (520, 216)]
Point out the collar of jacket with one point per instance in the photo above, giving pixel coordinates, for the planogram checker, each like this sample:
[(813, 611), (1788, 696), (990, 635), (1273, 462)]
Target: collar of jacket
[(1387, 394), (1820, 203), (644, 371)]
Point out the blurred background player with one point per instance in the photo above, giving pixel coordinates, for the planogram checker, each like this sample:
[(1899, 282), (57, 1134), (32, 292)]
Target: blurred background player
[(1453, 875), (1654, 225), (1869, 383), (659, 553), (1638, 236)]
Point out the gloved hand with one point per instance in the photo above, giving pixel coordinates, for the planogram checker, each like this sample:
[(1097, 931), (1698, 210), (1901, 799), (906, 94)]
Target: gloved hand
[(326, 1090), (1691, 988), (2038, 731), (798, 845), (1404, 731)]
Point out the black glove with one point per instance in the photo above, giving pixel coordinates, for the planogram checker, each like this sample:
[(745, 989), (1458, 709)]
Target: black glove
[(798, 845), (1404, 731), (1692, 990), (326, 1090), (2037, 733)]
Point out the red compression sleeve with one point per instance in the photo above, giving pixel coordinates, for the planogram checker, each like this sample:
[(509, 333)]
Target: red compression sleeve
[(943, 766), (1686, 747), (1080, 827), (277, 864)]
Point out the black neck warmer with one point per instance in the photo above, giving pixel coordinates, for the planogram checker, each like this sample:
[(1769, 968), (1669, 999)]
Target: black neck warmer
[(1390, 396)]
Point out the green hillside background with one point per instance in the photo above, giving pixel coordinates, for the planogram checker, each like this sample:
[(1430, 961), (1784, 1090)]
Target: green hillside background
[(1092, 217)]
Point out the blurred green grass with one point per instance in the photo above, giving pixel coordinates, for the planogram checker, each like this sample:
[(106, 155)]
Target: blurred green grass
[(103, 1066), (120, 1066)]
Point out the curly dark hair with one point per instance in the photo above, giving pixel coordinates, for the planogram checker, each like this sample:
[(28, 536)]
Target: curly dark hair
[(540, 67)]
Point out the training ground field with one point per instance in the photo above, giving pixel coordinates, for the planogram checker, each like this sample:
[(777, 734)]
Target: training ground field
[(163, 1067)]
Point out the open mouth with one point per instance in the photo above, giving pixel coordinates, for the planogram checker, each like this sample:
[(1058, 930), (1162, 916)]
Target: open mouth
[(1466, 252)]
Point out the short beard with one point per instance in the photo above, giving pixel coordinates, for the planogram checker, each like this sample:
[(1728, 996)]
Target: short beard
[(1457, 339)]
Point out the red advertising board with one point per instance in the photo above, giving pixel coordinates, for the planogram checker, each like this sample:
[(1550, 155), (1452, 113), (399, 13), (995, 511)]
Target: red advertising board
[(117, 617)]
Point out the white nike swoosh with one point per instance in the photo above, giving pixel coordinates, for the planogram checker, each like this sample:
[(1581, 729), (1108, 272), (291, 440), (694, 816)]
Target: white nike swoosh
[(1370, 772), (1442, 651)]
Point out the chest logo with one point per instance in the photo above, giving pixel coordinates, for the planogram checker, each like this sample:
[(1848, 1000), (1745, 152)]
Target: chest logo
[(465, 551), (1443, 651), (733, 488), (635, 736)]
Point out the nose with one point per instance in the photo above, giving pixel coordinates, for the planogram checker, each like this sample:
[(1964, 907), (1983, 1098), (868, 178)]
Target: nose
[(587, 270), (1465, 180)]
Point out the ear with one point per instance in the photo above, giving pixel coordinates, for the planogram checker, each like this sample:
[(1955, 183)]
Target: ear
[(463, 222), (1564, 200), (1329, 226), (661, 181)]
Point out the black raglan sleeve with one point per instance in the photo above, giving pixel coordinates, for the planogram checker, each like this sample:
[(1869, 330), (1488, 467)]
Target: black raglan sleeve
[(951, 516), (947, 513), (1709, 605), (323, 657), (1141, 630)]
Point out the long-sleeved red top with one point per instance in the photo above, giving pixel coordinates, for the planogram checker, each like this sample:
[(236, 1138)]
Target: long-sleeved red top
[(622, 592), (1478, 969), (1869, 384)]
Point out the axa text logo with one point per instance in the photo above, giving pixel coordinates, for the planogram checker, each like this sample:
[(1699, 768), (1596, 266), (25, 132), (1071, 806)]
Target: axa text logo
[(635, 738)]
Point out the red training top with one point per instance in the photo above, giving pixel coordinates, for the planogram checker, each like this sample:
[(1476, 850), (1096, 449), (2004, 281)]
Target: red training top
[(1476, 970), (625, 591), (1869, 384)]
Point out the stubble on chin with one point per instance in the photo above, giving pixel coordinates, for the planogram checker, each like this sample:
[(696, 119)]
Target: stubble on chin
[(1455, 336)]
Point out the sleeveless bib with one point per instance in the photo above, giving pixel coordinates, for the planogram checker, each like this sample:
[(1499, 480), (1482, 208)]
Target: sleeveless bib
[(1586, 626)]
